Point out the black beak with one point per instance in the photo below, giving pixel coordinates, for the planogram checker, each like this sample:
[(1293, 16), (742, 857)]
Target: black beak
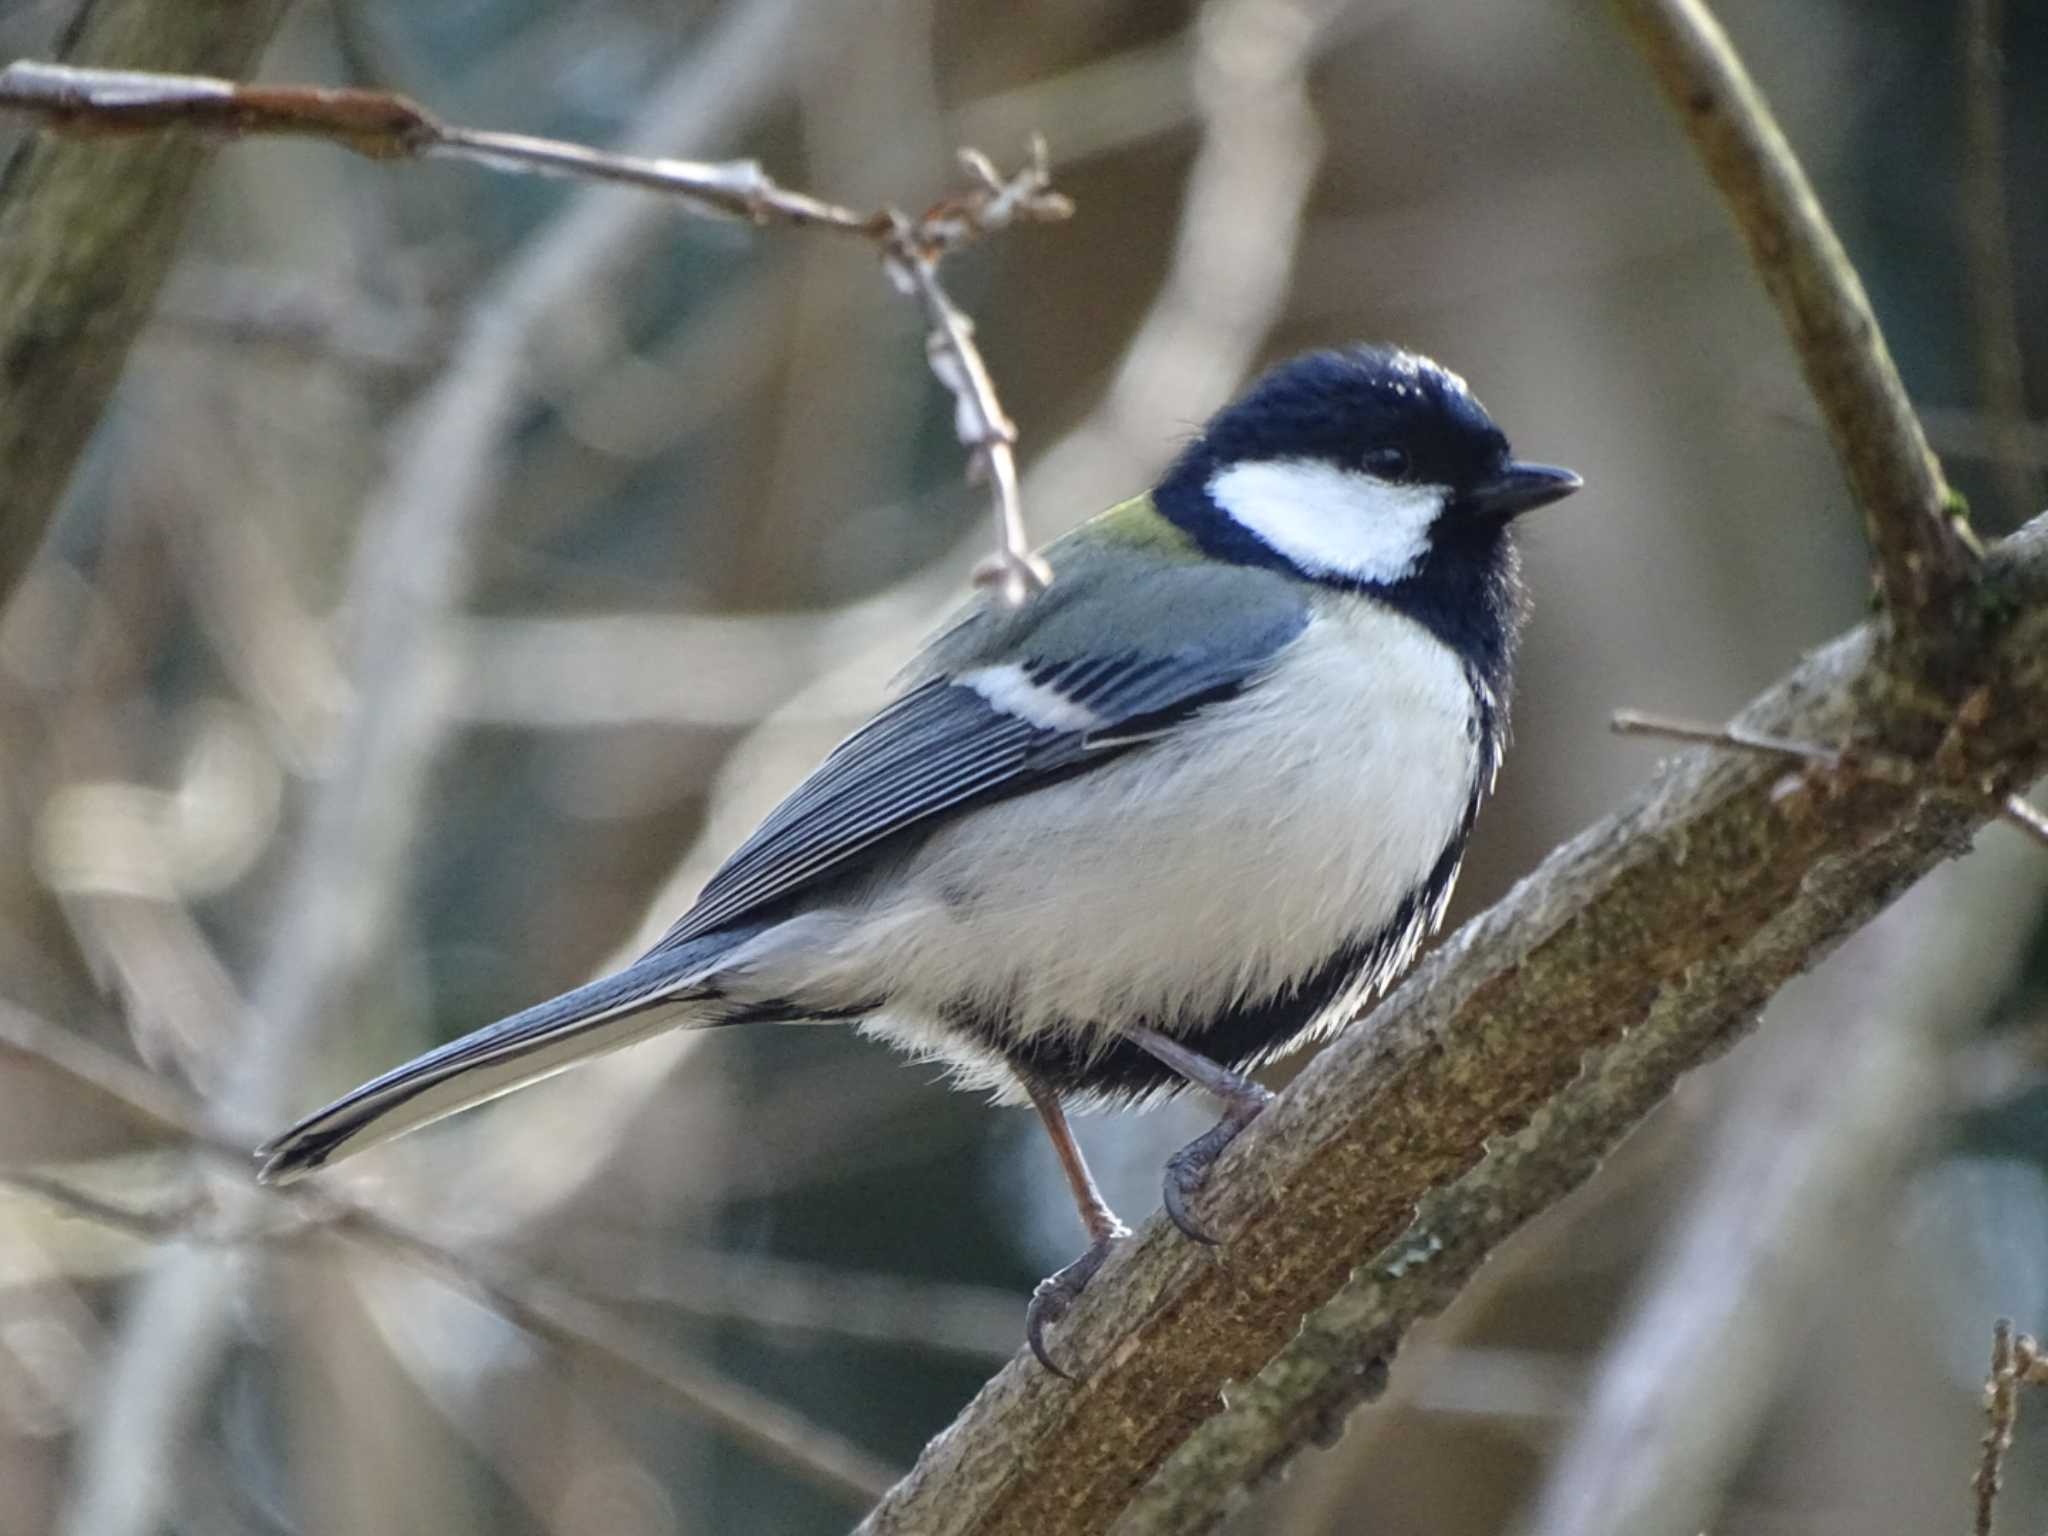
[(1520, 488)]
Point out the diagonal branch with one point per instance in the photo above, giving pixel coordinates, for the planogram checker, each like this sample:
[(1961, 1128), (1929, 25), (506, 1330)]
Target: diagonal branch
[(1830, 1110), (1917, 531), (1493, 1081)]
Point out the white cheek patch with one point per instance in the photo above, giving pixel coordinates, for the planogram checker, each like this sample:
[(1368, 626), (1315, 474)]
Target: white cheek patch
[(1331, 521), (1008, 689)]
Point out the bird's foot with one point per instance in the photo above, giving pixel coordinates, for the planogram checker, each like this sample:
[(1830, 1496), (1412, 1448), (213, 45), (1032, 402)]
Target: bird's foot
[(1057, 1293), (1188, 1169)]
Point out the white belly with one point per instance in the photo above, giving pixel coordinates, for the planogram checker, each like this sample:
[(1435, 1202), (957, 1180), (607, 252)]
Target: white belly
[(1219, 865)]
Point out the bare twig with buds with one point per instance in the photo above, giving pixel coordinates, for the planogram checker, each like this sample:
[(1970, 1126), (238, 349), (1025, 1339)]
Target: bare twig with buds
[(2013, 810), (2016, 1361), (384, 125)]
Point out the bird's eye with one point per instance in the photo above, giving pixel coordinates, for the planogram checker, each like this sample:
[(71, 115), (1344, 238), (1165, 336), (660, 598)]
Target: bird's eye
[(1387, 463)]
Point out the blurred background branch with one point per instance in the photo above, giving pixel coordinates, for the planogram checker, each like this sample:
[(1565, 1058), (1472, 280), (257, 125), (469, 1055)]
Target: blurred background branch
[(222, 1218), (1987, 247), (333, 921), (1922, 546), (714, 508), (86, 236)]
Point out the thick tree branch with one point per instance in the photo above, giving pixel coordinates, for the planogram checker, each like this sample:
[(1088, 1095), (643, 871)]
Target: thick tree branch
[(1830, 1110), (1915, 523), (86, 235), (1488, 1085)]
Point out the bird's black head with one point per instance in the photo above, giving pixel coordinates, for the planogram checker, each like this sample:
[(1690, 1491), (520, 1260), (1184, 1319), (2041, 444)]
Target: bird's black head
[(1373, 469), (1350, 465)]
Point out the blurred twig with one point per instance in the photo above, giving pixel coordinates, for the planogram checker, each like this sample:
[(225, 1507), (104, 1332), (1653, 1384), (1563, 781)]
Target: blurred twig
[(781, 1294), (586, 1332), (1987, 248), (148, 1102), (85, 239), (387, 126), (336, 910), (1922, 547), (2016, 1361), (214, 1218)]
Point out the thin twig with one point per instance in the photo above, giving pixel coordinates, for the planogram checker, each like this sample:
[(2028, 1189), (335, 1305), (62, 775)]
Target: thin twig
[(2012, 1356), (148, 1102), (584, 1331), (384, 125), (336, 910), (2013, 810), (1921, 544), (1635, 722), (978, 418)]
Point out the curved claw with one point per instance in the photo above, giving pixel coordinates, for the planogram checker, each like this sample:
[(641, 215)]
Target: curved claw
[(1184, 1179), (1047, 1308), (1188, 1169), (1056, 1294)]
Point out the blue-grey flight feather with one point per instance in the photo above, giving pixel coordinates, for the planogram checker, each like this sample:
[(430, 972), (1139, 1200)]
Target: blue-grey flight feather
[(944, 744)]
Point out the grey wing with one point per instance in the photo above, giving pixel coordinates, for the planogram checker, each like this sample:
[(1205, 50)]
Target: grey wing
[(947, 743)]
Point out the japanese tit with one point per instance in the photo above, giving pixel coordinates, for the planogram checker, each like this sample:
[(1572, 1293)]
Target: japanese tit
[(1184, 810)]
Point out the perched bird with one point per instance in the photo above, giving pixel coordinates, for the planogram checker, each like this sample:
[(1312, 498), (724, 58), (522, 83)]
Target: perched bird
[(1185, 809)]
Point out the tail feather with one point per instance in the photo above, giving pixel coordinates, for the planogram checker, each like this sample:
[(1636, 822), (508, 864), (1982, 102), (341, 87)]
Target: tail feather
[(604, 1015)]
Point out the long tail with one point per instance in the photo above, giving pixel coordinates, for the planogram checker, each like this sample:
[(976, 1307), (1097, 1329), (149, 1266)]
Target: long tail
[(613, 1011)]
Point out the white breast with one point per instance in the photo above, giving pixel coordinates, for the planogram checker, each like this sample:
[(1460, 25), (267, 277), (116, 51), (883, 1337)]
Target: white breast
[(1220, 864)]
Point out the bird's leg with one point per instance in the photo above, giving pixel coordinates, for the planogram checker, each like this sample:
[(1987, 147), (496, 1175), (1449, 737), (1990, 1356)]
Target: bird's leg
[(1056, 1293), (1188, 1169)]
